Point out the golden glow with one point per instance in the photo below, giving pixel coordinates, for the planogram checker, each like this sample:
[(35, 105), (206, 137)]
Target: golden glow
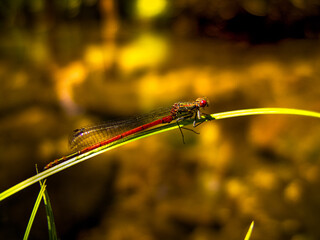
[(311, 173), (266, 70), (94, 57), (148, 9), (258, 132), (145, 52), (211, 134), (293, 191), (265, 179), (66, 78), (235, 188)]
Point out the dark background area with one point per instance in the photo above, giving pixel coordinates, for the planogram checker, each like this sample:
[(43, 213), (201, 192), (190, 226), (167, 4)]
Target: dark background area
[(67, 64)]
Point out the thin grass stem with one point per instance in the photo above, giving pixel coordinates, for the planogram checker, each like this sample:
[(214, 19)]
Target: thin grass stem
[(217, 116), (34, 212)]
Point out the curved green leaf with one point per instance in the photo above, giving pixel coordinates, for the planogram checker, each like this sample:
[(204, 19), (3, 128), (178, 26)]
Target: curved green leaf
[(164, 128)]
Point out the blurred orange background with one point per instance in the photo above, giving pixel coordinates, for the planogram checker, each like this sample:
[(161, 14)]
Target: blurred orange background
[(67, 64)]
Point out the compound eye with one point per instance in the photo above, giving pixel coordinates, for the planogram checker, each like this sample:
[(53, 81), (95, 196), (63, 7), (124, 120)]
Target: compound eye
[(204, 103)]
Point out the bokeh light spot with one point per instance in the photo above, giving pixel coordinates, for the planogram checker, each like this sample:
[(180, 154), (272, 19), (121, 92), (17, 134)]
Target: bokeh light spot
[(73, 74), (265, 179), (293, 191), (145, 52), (148, 9), (94, 57)]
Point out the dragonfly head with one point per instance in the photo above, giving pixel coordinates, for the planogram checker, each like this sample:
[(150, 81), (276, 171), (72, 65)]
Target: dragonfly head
[(203, 102)]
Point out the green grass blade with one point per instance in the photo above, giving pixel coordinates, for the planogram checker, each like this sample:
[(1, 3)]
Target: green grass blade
[(257, 111), (50, 218), (166, 127), (49, 212), (248, 235), (34, 211)]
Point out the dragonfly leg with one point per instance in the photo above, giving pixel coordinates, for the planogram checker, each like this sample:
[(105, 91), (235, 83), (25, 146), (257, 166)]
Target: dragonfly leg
[(180, 131)]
